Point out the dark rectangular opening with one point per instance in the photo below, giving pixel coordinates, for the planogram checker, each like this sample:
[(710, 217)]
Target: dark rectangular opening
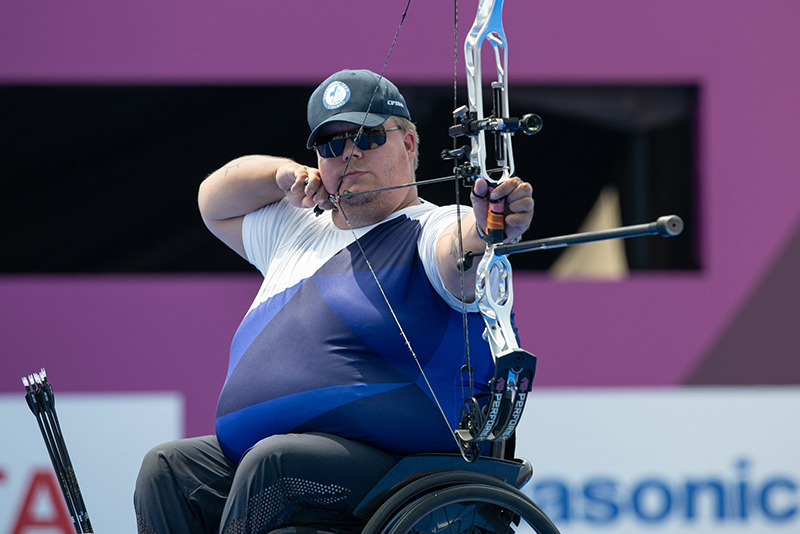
[(104, 178)]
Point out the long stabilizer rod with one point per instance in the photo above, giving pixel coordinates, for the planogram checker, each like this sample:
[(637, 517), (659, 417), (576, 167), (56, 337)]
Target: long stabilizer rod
[(666, 226)]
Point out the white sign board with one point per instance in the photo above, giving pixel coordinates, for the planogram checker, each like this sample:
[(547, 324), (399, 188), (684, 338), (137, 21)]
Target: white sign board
[(698, 460), (107, 435)]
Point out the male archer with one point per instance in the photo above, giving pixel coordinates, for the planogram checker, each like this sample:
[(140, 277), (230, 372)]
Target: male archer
[(323, 393)]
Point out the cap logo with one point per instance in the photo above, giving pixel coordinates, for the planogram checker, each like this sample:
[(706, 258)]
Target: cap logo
[(336, 95)]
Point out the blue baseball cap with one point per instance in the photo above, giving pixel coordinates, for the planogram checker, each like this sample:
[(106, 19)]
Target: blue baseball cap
[(346, 95)]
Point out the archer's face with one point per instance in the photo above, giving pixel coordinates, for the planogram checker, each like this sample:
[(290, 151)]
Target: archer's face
[(358, 170)]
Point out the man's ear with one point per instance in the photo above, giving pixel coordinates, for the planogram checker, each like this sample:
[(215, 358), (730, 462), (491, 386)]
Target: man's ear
[(410, 143)]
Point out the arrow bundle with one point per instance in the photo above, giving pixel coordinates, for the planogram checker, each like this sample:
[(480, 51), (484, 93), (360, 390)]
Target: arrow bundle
[(42, 403)]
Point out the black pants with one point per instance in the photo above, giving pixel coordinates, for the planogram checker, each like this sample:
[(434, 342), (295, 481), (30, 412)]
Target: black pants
[(314, 479)]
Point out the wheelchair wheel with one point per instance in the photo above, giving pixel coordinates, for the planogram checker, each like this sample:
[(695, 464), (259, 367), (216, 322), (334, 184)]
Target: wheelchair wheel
[(413, 491), (471, 509)]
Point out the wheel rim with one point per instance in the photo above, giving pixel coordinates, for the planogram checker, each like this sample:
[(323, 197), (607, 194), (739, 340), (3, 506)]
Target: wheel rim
[(470, 509)]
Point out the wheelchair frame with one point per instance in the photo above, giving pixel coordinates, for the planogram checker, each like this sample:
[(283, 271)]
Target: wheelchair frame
[(432, 493)]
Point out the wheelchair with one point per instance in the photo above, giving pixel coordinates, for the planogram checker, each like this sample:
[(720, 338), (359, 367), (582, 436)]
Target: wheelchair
[(433, 493), (441, 493)]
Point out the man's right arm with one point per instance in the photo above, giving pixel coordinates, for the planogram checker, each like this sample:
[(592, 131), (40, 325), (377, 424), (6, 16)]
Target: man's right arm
[(245, 185)]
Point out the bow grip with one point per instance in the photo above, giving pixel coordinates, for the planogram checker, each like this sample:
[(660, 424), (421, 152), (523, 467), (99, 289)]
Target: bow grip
[(495, 219)]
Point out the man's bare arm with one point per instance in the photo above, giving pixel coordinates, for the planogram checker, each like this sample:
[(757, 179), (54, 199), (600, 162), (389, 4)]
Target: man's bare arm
[(244, 185)]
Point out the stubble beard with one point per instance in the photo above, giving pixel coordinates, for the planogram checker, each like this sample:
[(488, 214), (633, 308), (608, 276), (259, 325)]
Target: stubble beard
[(362, 210), (371, 208)]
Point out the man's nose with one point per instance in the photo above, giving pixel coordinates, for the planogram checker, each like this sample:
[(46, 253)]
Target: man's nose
[(350, 149)]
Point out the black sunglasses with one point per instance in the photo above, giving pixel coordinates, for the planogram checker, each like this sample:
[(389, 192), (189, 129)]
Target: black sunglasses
[(333, 146)]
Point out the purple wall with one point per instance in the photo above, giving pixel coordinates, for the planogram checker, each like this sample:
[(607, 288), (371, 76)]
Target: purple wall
[(165, 333)]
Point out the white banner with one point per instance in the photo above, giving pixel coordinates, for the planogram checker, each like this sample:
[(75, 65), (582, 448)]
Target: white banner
[(697, 460), (107, 435)]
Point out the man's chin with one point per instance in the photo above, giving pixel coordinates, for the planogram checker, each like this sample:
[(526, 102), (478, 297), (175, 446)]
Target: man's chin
[(359, 200)]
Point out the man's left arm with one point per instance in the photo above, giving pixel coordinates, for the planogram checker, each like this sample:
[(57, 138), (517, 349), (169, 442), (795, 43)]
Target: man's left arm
[(518, 216)]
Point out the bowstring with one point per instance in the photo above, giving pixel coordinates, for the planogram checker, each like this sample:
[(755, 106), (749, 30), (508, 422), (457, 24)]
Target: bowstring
[(461, 268), (402, 331), (338, 204), (369, 106)]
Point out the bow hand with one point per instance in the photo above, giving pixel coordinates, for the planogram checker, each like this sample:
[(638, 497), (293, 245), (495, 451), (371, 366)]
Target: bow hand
[(517, 197)]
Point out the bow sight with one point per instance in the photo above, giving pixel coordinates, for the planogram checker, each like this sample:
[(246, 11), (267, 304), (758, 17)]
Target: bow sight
[(470, 125)]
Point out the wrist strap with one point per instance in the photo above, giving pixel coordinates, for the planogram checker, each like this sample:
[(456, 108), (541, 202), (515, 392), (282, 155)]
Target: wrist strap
[(483, 235)]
